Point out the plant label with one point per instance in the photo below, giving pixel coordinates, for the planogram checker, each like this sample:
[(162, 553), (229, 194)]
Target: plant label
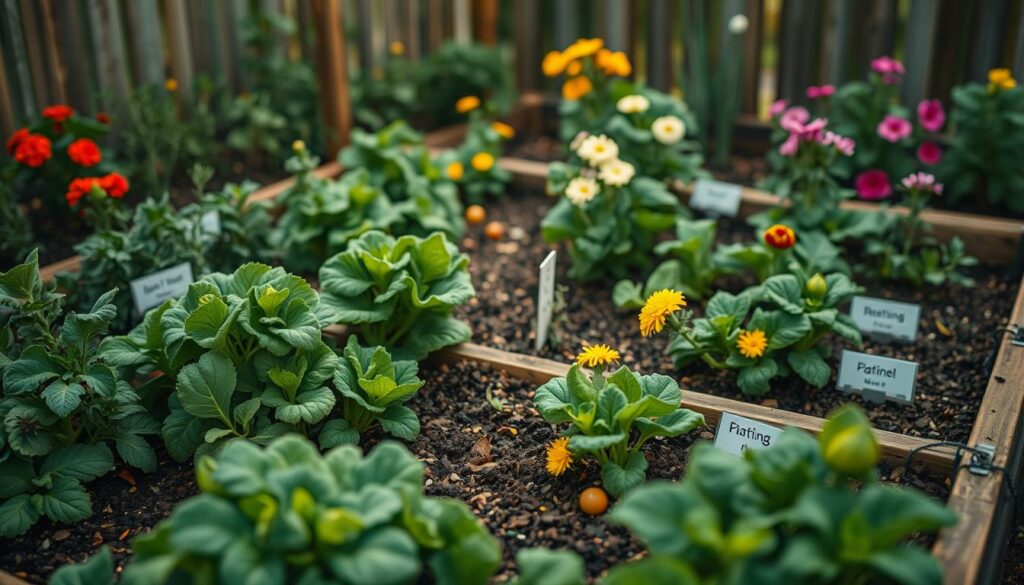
[(545, 298), (716, 198), (736, 434), (884, 319), (877, 378), (151, 290), (209, 225)]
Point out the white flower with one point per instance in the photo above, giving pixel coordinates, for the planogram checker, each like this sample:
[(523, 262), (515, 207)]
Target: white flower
[(616, 173), (738, 24), (581, 190), (633, 104), (668, 129), (598, 149), (577, 140)]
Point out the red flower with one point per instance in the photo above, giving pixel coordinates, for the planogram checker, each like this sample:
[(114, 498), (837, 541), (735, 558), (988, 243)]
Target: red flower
[(85, 152), (780, 237), (929, 153), (15, 140), (32, 150), (103, 117), (80, 188), (873, 185), (115, 185), (58, 113)]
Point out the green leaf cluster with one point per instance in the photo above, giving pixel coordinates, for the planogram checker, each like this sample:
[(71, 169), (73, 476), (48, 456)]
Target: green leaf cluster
[(611, 418), (244, 226), (399, 293), (481, 137)]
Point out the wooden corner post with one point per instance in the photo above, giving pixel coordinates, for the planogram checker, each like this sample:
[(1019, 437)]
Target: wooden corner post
[(333, 73)]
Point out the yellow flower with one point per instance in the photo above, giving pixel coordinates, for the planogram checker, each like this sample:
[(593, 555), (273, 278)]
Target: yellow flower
[(171, 85), (467, 104), (298, 146), (582, 48), (1001, 78), (397, 48), (554, 64), (455, 171), (752, 343), (559, 456), (657, 308), (597, 355), (576, 88), (613, 64), (503, 130), (574, 68), (482, 161)]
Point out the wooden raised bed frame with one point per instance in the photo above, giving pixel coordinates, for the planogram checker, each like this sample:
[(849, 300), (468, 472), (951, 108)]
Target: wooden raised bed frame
[(971, 550)]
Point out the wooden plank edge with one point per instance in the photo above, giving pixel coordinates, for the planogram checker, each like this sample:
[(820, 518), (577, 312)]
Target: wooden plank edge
[(895, 447), (9, 579), (980, 535)]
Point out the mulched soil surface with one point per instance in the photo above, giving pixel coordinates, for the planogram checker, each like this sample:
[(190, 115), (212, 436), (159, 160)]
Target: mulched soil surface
[(1013, 564), (958, 328), (492, 459)]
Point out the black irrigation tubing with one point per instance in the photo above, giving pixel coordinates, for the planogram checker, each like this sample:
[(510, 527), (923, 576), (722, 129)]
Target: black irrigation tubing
[(958, 459), (998, 334)]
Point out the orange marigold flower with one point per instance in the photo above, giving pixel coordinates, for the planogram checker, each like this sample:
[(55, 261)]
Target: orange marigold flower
[(559, 456), (58, 112), (752, 343), (657, 309), (15, 140), (574, 68), (85, 152), (482, 162), (467, 104), (583, 48), (503, 130), (576, 88), (780, 237), (554, 64), (613, 64), (33, 150), (455, 171)]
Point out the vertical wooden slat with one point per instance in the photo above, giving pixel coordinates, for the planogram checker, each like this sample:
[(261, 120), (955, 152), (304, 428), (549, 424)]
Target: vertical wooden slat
[(485, 21), (567, 28), (108, 42), (207, 24), (922, 23), (461, 20), (144, 19), (659, 35), (235, 11), (17, 61), (364, 12), (331, 66), (7, 126), (839, 35), (752, 57), (988, 38), (414, 43), (527, 45), (181, 52), (878, 31), (37, 65), (614, 18), (435, 24), (75, 52), (58, 68), (797, 47), (1018, 49)]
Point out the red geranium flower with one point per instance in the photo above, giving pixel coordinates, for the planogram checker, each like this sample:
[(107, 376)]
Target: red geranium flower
[(58, 113), (115, 185), (103, 117), (80, 188), (15, 140), (33, 150), (85, 152)]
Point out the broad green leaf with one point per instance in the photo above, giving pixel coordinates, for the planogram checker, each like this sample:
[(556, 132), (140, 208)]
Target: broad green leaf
[(17, 515), (81, 462), (33, 369), (400, 421), (337, 432), (620, 479), (387, 556), (541, 566), (63, 398), (207, 525), (66, 502), (810, 366), (98, 570), (311, 406), (205, 387)]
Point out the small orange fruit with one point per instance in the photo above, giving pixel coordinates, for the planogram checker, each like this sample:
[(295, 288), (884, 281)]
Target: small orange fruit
[(593, 501), (475, 214), (494, 230)]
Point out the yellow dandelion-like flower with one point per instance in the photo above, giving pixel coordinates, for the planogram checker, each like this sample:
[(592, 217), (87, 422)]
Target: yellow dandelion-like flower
[(482, 162), (752, 343), (171, 85), (576, 88), (467, 104), (559, 456), (597, 355), (657, 308), (455, 171), (503, 130)]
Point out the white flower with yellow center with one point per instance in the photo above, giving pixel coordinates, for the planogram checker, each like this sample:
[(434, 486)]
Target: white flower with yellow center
[(633, 104), (616, 173), (668, 129), (581, 190), (598, 150)]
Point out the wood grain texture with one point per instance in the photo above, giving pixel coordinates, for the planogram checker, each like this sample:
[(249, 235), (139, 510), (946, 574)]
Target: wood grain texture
[(539, 370), (9, 579), (333, 75)]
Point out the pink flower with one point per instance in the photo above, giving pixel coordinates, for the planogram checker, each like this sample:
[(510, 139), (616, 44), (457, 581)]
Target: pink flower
[(820, 91), (894, 128), (929, 153), (931, 115), (887, 66), (873, 185), (843, 144), (777, 107), (796, 114), (789, 147), (922, 182)]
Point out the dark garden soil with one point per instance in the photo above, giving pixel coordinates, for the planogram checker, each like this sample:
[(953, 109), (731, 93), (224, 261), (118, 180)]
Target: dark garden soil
[(1013, 564), (491, 458), (958, 328)]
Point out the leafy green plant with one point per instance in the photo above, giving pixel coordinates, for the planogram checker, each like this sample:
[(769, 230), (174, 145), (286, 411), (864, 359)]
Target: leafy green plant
[(286, 514), (17, 230), (242, 226), (244, 355), (372, 388), (159, 237), (458, 69), (613, 417), (390, 93), (794, 512), (692, 269), (988, 142), (30, 308), (321, 215), (399, 164), (473, 165), (610, 219), (399, 293)]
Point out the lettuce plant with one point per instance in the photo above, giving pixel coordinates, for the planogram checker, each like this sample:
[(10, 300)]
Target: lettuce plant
[(693, 265), (613, 417), (984, 152), (322, 215), (399, 164), (244, 355), (286, 514), (399, 293), (610, 217), (372, 388), (800, 511)]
